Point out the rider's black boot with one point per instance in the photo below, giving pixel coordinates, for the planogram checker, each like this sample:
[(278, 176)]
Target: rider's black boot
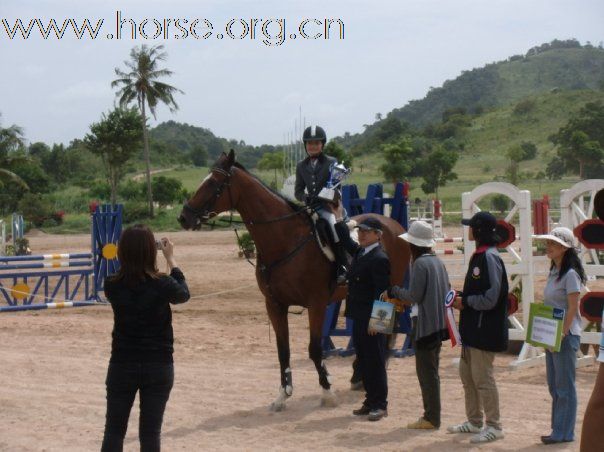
[(341, 263)]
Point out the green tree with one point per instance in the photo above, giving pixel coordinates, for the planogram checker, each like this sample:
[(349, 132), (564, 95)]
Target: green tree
[(31, 173), (115, 138), (438, 169), (132, 190), (166, 190), (555, 168), (11, 140), (515, 155), (389, 128), (398, 158), (529, 150), (333, 149), (500, 203), (140, 82), (580, 151), (36, 208), (38, 150), (524, 107), (581, 141), (272, 161), (199, 155)]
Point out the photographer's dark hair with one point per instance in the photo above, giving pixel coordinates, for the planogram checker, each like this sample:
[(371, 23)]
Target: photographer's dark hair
[(485, 237), (417, 251), (137, 253), (571, 260)]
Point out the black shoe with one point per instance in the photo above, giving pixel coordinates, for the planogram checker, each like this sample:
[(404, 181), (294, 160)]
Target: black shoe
[(549, 440), (356, 386), (378, 414), (363, 411)]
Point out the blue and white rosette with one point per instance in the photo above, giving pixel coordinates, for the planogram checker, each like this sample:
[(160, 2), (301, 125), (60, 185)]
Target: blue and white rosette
[(450, 316)]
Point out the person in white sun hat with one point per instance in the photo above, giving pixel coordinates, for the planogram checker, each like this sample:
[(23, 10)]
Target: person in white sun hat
[(428, 287), (562, 291)]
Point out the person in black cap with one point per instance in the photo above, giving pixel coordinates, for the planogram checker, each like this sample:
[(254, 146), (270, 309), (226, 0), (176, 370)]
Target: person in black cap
[(312, 175), (483, 329), (368, 277)]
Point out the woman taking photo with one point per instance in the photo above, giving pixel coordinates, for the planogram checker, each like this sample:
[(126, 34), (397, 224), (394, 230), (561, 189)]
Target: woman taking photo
[(428, 287), (141, 352), (562, 291)]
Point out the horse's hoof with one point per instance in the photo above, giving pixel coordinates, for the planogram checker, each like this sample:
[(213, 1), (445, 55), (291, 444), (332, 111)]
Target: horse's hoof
[(279, 404), (277, 407), (329, 399)]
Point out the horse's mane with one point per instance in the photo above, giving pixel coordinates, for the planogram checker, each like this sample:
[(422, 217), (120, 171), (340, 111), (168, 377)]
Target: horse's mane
[(296, 207)]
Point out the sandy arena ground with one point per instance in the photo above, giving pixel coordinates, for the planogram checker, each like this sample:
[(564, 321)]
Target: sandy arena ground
[(52, 396)]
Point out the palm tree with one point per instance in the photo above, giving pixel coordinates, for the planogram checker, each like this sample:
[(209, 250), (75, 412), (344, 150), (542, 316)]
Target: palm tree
[(11, 139), (140, 83)]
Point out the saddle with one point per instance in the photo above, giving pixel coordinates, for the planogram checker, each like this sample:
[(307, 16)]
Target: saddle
[(323, 236)]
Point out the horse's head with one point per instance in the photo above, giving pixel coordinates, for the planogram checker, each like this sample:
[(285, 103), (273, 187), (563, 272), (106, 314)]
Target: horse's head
[(213, 195)]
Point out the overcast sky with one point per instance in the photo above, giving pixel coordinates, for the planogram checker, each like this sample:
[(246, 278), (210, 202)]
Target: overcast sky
[(393, 51)]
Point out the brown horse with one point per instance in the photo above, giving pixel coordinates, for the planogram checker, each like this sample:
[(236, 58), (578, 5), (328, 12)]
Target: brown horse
[(291, 269)]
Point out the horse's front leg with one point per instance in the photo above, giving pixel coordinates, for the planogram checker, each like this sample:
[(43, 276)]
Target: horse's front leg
[(278, 317), (316, 316)]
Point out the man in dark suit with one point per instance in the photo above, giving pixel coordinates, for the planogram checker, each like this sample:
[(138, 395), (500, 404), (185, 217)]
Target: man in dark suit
[(312, 175), (368, 277)]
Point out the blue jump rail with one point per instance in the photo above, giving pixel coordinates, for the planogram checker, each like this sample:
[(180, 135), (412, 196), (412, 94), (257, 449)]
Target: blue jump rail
[(82, 275)]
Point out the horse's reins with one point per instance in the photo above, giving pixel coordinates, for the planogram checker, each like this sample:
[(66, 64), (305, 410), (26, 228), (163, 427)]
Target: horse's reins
[(205, 212)]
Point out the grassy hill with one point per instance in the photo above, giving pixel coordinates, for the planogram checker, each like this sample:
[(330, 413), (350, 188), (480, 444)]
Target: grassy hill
[(560, 65), (182, 138), (492, 134), (489, 137)]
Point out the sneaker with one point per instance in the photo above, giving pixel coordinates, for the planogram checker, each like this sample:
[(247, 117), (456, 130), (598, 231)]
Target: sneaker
[(466, 427), (422, 424), (378, 414), (488, 435)]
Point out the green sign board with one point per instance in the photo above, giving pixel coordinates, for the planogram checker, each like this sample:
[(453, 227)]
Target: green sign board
[(545, 326)]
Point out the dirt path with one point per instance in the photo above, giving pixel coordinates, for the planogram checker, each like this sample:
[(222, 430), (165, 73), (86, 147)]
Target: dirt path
[(141, 176), (52, 396)]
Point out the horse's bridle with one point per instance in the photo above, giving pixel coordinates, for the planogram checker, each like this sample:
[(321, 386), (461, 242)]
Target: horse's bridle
[(203, 214)]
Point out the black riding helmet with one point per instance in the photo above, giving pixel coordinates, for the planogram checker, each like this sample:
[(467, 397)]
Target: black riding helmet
[(314, 133)]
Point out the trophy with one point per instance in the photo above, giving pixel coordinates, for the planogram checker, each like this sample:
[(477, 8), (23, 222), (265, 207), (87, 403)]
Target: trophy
[(337, 173)]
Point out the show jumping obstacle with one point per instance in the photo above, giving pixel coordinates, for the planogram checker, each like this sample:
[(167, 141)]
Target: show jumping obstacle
[(577, 208), (78, 278)]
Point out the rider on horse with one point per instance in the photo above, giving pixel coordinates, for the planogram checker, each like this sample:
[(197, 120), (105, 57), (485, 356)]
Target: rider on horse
[(312, 175)]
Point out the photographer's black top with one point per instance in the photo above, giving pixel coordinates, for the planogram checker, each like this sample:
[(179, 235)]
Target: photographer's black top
[(142, 330)]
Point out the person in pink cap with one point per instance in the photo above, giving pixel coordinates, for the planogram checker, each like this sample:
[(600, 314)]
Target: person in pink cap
[(562, 291)]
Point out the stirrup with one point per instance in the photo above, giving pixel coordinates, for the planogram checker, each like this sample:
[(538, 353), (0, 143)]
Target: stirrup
[(341, 275)]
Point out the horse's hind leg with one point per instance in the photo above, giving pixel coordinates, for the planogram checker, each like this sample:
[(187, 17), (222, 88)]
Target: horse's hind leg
[(316, 316), (278, 317)]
